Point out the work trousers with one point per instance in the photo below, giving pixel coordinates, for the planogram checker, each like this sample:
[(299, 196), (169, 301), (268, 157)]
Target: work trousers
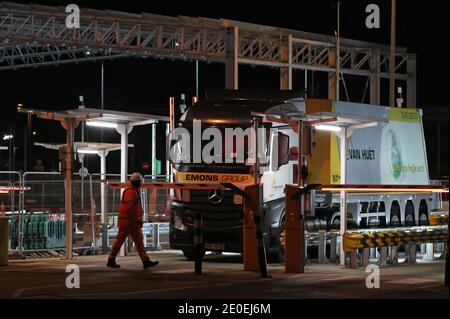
[(136, 235)]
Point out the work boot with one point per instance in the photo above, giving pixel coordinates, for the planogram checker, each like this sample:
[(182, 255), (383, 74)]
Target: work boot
[(112, 263), (148, 263)]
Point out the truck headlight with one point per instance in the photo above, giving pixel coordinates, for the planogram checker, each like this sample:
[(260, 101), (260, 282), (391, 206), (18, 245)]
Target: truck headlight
[(178, 223)]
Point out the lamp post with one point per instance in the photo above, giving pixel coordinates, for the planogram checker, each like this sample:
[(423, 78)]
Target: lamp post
[(29, 144), (392, 56), (338, 49), (9, 137)]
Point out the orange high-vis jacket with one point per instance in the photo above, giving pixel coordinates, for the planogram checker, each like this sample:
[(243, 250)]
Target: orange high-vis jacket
[(130, 209)]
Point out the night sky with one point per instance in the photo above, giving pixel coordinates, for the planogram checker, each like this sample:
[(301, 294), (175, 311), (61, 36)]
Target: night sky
[(146, 85)]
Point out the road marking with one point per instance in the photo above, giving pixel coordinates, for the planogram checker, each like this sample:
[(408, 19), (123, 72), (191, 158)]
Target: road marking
[(173, 271), (20, 269), (409, 281), (28, 269), (341, 278), (192, 287)]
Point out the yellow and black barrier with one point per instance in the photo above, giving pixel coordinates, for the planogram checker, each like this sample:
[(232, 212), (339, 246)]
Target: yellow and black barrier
[(439, 219), (357, 240)]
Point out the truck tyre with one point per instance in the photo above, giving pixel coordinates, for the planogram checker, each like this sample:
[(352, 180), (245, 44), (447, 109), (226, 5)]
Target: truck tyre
[(395, 220), (409, 220), (190, 254), (423, 219), (336, 224), (278, 256)]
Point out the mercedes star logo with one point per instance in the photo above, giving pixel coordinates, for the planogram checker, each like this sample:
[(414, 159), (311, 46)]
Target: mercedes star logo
[(215, 196)]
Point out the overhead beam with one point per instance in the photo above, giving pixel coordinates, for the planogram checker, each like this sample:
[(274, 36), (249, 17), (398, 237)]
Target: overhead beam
[(32, 36)]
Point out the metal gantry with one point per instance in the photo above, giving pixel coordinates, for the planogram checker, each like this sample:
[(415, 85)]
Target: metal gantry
[(35, 35)]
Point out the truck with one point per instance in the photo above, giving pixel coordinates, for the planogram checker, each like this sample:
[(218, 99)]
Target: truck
[(391, 152)]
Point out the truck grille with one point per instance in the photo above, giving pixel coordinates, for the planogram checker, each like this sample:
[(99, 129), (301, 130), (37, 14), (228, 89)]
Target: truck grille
[(215, 216), (201, 196)]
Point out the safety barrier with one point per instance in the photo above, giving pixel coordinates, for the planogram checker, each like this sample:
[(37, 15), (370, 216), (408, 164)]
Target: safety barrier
[(353, 241), (439, 218), (41, 231), (324, 244), (13, 198), (24, 194), (386, 243), (30, 199), (254, 248)]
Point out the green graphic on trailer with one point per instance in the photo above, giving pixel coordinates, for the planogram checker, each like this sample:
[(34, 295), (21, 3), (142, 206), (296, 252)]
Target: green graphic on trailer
[(395, 154), (388, 153)]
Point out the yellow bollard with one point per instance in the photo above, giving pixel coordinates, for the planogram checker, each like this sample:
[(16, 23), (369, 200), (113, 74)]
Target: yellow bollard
[(4, 222)]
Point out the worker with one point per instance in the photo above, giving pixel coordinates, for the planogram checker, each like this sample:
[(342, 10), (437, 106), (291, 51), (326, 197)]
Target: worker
[(130, 223)]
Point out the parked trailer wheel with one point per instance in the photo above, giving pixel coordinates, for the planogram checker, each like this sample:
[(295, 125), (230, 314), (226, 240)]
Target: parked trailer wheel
[(423, 219), (423, 213), (395, 220), (336, 223), (409, 220), (409, 214)]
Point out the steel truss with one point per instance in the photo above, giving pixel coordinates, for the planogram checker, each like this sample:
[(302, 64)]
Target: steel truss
[(34, 35)]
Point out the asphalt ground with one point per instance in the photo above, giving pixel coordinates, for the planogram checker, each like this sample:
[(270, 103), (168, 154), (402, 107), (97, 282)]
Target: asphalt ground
[(223, 277)]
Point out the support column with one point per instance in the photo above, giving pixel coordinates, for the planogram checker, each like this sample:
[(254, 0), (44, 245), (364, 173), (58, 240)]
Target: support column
[(154, 171), (411, 86), (196, 78), (103, 154), (438, 148), (392, 56), (365, 258), (168, 171), (383, 256), (69, 125), (343, 215), (104, 215), (231, 58), (286, 57), (429, 252), (333, 247), (123, 130), (322, 248), (332, 78), (375, 77)]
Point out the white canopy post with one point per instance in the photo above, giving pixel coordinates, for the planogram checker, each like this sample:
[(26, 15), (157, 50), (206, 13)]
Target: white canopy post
[(343, 193)]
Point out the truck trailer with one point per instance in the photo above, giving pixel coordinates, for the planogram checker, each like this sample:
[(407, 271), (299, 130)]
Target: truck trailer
[(390, 152)]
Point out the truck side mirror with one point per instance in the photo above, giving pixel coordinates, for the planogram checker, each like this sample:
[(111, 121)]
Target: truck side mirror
[(283, 149)]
